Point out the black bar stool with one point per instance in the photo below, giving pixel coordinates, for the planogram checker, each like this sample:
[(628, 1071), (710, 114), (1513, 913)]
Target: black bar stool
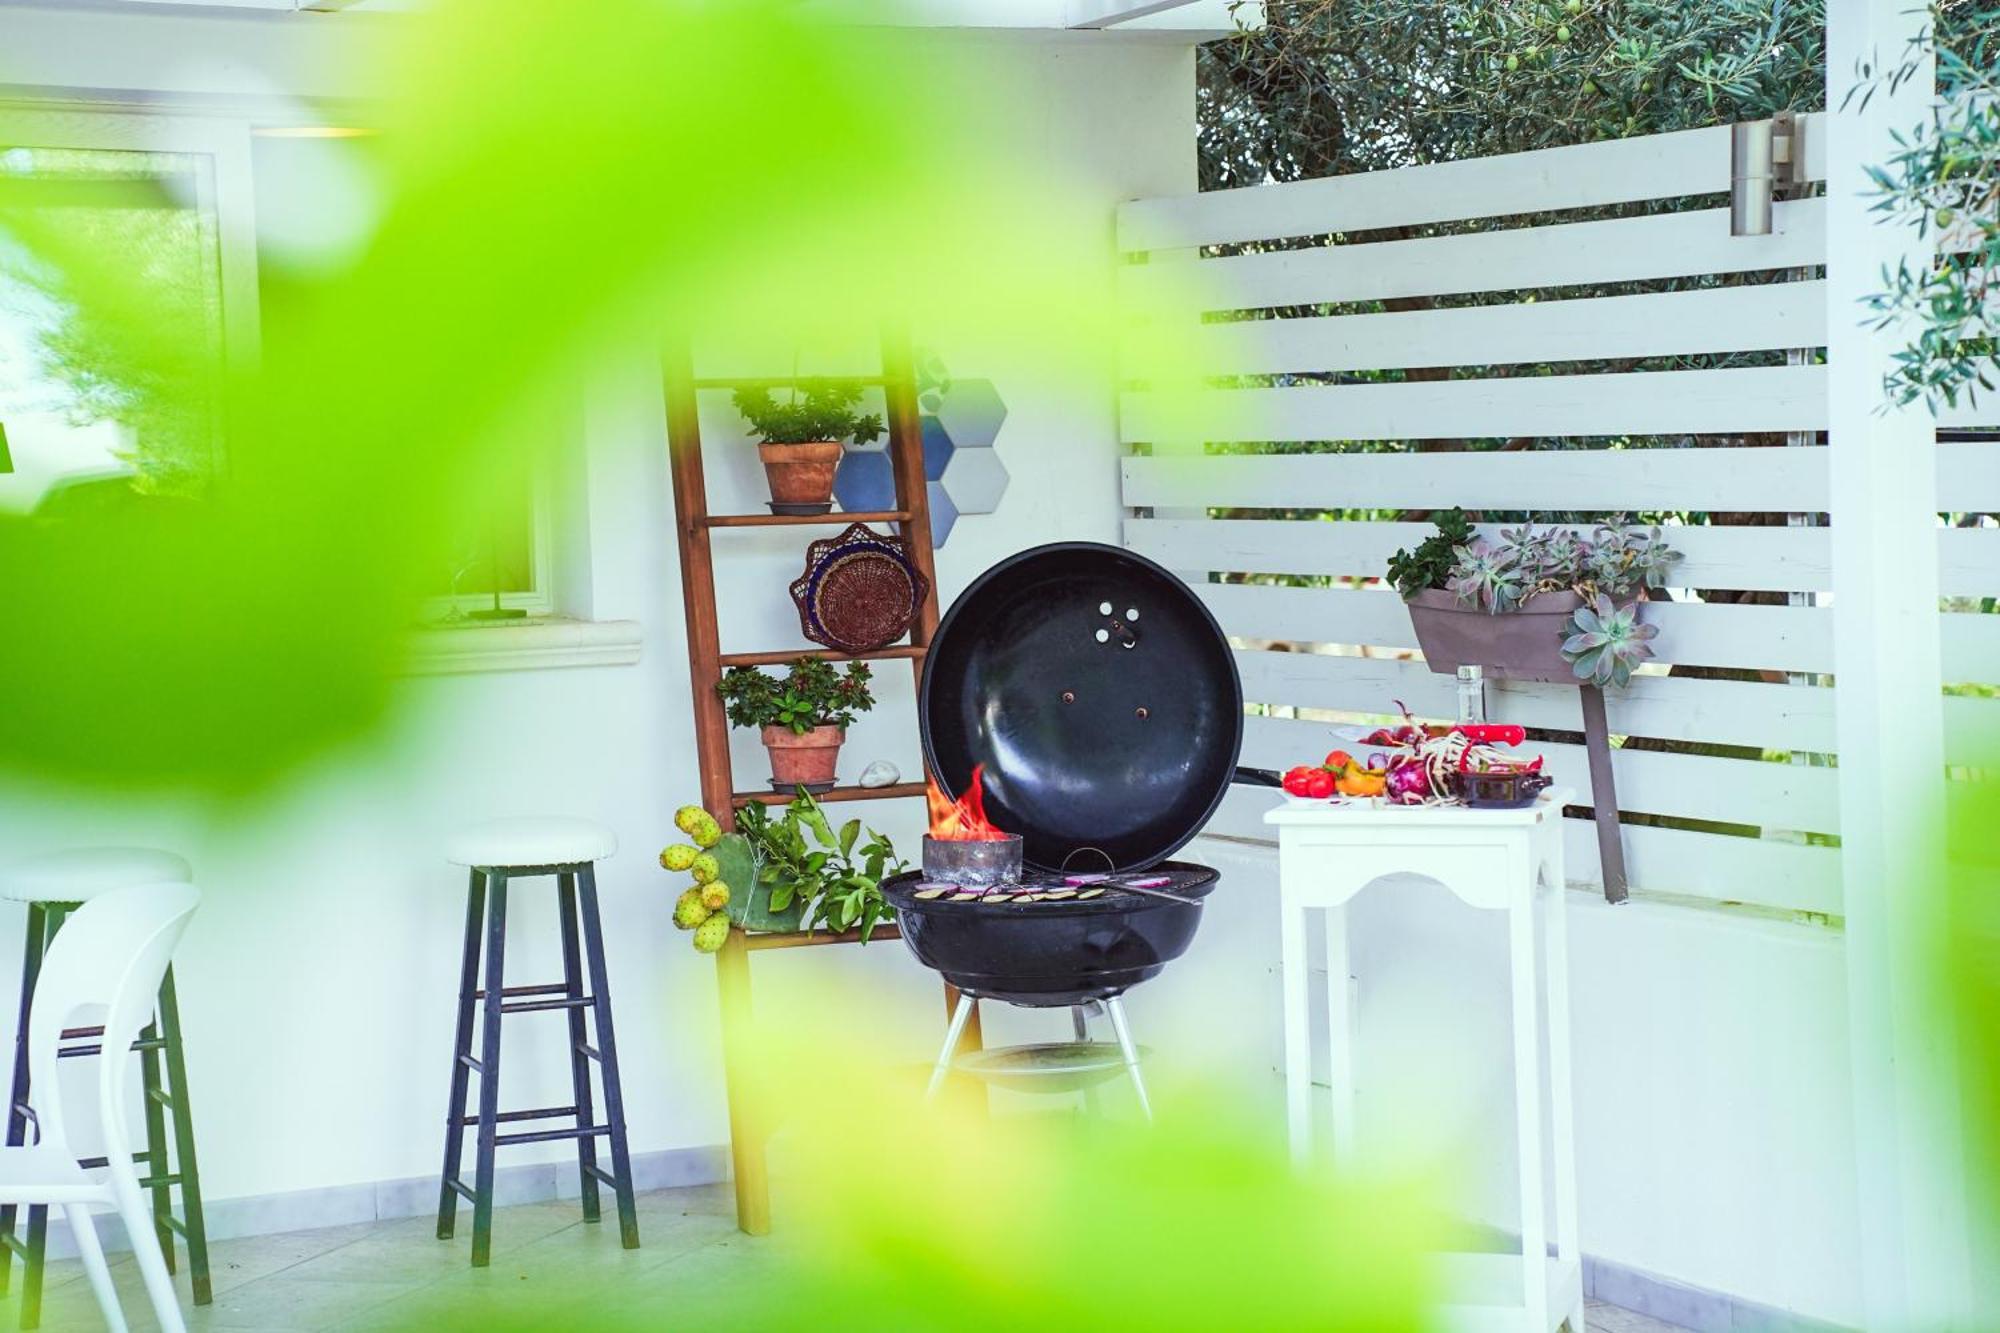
[(497, 853), (53, 887)]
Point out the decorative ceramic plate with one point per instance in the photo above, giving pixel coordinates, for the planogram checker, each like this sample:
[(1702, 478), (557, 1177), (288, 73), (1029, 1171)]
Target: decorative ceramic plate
[(859, 590)]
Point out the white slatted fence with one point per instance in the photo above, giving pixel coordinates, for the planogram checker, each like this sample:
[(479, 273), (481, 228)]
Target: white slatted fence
[(1263, 379)]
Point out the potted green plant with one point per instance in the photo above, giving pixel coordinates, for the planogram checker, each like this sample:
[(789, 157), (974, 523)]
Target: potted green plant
[(803, 718), (800, 439), (1538, 603)]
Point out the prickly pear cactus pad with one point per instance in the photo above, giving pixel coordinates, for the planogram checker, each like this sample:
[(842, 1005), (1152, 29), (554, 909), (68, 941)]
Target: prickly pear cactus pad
[(749, 903)]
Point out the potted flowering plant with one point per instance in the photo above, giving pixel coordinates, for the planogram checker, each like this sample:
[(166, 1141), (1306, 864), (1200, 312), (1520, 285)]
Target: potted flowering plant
[(1538, 603), (803, 718), (800, 439)]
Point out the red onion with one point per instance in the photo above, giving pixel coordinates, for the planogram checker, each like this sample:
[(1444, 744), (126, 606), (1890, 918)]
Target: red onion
[(1408, 783)]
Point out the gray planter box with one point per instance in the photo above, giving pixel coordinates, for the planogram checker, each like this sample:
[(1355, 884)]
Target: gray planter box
[(1524, 644)]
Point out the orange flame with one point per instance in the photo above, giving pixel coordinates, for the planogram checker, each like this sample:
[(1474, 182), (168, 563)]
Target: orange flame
[(962, 820)]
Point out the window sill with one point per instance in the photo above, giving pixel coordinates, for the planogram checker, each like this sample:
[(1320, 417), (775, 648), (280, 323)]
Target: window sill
[(538, 643)]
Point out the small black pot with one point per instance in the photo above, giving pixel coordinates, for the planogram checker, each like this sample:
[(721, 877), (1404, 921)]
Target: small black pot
[(1051, 954)]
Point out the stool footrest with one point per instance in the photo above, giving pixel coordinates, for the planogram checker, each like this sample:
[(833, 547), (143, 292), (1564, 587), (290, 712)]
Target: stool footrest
[(509, 1117), (532, 1006), (508, 992), (174, 1224), (460, 1187), (473, 1063), (592, 1052), (602, 1175), (92, 1163), (551, 1135), (143, 1044)]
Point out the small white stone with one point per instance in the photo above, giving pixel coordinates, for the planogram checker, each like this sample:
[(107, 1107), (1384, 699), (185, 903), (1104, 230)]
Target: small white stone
[(881, 773)]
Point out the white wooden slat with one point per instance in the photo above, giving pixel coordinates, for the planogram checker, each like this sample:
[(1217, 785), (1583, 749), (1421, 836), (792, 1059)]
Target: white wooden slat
[(1761, 559), (1972, 647), (1969, 476), (1757, 638), (1778, 717), (1717, 480), (1770, 873), (1666, 245), (1697, 402), (1658, 166), (1734, 791), (1721, 319)]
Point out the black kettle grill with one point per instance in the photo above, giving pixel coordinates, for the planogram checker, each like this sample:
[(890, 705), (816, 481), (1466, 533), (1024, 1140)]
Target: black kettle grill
[(1102, 700)]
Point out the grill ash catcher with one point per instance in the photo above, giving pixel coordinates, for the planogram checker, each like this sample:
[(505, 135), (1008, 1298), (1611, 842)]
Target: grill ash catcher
[(1098, 703)]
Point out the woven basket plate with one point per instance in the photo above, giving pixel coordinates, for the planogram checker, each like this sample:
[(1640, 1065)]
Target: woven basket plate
[(859, 590)]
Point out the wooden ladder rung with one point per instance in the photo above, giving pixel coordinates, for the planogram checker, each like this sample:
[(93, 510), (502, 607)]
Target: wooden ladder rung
[(756, 941), (900, 789), (782, 656), (783, 381), (839, 519)]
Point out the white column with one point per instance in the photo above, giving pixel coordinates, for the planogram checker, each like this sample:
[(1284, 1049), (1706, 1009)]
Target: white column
[(1883, 502)]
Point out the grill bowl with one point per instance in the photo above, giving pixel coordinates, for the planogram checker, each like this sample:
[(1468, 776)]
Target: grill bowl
[(1051, 954)]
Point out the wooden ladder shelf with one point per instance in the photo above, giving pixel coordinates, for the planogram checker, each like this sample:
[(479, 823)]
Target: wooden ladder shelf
[(748, 1125)]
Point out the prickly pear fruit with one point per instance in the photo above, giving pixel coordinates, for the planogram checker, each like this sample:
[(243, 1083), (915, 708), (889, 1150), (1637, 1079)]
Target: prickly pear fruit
[(715, 895), (698, 824), (679, 856), (705, 868), (689, 911), (709, 936)]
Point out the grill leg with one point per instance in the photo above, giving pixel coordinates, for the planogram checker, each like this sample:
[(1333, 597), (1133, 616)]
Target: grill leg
[(1079, 1019), (38, 1215), (489, 1068), (579, 1063), (961, 1014), (454, 1127), (1115, 1007), (607, 1046), (196, 1229), (17, 1096)]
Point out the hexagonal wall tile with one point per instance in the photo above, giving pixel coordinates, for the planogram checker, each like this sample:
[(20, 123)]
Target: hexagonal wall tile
[(975, 479), (970, 412), (864, 481), (944, 514), (937, 448)]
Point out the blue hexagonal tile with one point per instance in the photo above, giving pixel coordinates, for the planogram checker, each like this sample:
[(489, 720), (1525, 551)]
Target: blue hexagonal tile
[(937, 449), (975, 480), (971, 413), (944, 514), (864, 481)]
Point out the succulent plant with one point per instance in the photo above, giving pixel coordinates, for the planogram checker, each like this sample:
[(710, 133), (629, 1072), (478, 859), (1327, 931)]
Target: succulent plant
[(1620, 560), (1606, 641), (1485, 576)]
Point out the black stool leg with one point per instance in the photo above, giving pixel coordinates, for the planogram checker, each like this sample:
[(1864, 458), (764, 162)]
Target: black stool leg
[(192, 1225), (489, 1067), (461, 1053), (17, 1096), (157, 1161), (607, 1045), (579, 1041)]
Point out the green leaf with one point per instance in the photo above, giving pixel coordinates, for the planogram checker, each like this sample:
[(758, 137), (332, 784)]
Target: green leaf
[(848, 833)]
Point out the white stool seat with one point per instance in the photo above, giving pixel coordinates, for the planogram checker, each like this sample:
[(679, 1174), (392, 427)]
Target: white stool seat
[(80, 874), (534, 840)]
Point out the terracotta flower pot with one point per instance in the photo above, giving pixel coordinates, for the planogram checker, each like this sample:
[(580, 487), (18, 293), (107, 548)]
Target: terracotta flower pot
[(1523, 644), (800, 475), (803, 760)]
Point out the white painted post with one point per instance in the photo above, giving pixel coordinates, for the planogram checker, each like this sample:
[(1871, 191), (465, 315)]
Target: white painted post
[(1883, 502)]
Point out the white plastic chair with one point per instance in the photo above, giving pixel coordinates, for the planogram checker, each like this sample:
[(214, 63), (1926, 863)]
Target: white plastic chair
[(104, 967)]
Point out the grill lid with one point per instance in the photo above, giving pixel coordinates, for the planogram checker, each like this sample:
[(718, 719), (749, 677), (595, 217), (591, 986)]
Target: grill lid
[(1101, 696)]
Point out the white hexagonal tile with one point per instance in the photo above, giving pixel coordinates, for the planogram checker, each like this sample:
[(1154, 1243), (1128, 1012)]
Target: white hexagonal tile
[(971, 413), (975, 479)]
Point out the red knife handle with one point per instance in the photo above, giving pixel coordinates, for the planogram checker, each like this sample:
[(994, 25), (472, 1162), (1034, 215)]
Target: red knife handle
[(1494, 733)]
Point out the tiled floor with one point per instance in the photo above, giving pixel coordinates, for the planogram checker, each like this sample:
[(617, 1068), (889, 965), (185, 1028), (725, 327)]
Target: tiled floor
[(397, 1275)]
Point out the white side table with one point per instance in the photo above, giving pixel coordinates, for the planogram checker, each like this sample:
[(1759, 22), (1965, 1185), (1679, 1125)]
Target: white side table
[(1496, 860)]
